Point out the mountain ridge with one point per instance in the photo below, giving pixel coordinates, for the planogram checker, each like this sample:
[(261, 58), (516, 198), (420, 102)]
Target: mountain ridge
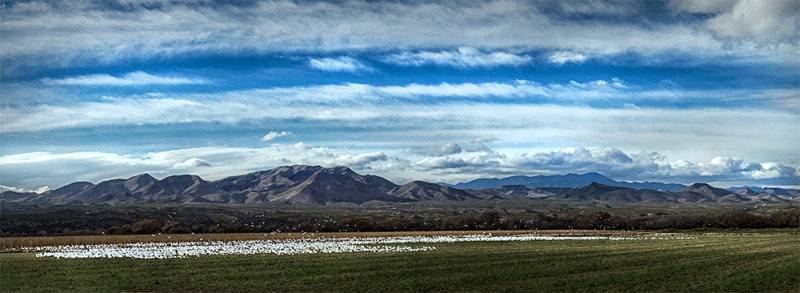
[(569, 180), (316, 185)]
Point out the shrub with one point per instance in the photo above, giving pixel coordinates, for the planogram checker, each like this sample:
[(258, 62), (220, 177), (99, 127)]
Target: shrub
[(147, 226)]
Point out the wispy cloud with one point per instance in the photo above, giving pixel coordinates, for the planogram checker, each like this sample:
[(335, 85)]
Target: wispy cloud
[(521, 113), (562, 57), (464, 57), (57, 34), (273, 135), (325, 103), (128, 79), (338, 64)]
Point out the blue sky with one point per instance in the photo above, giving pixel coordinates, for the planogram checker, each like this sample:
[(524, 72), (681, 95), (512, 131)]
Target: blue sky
[(676, 91)]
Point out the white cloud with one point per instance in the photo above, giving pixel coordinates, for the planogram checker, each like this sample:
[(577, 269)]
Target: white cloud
[(562, 57), (191, 163), (128, 79), (273, 135), (762, 21), (490, 89), (464, 57), (360, 161), (339, 64)]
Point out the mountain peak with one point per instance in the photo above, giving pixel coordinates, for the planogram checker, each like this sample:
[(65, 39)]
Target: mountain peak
[(136, 182), (747, 192), (593, 174), (705, 189), (144, 177), (340, 170), (699, 185)]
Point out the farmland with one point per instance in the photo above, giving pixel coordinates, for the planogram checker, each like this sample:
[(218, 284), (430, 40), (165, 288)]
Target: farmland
[(757, 261)]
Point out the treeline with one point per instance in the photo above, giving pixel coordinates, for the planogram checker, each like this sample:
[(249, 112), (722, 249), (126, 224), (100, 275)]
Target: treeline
[(490, 220), (486, 220)]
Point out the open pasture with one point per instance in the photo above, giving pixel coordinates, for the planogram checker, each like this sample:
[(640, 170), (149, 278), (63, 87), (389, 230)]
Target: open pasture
[(610, 261)]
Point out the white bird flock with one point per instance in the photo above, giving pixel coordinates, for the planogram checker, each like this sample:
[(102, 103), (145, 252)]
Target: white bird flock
[(289, 246)]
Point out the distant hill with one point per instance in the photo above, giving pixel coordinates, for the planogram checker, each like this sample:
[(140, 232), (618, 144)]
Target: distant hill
[(570, 180), (315, 185), (419, 190), (695, 193), (601, 192), (522, 190)]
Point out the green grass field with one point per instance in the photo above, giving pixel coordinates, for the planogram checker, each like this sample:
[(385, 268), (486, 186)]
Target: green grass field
[(713, 262)]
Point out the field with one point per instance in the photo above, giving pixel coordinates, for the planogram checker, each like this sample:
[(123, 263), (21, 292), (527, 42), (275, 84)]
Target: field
[(758, 261)]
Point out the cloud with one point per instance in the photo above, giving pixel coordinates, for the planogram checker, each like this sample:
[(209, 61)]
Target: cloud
[(22, 190), (339, 64), (32, 170), (59, 34), (323, 102), (697, 6), (594, 112), (438, 150), (761, 21), (616, 164), (562, 57), (273, 135), (464, 57), (484, 139), (192, 163), (128, 79), (58, 169), (360, 161)]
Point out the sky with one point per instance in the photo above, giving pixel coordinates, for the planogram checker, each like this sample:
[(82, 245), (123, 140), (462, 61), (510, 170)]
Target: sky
[(670, 91)]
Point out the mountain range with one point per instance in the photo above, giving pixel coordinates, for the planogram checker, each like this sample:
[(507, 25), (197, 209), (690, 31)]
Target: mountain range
[(570, 180), (315, 185)]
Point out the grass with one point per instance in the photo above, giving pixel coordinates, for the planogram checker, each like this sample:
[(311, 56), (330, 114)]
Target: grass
[(717, 262)]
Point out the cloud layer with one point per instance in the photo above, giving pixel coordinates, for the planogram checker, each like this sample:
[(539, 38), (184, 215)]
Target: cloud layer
[(600, 112), (445, 164), (47, 34)]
